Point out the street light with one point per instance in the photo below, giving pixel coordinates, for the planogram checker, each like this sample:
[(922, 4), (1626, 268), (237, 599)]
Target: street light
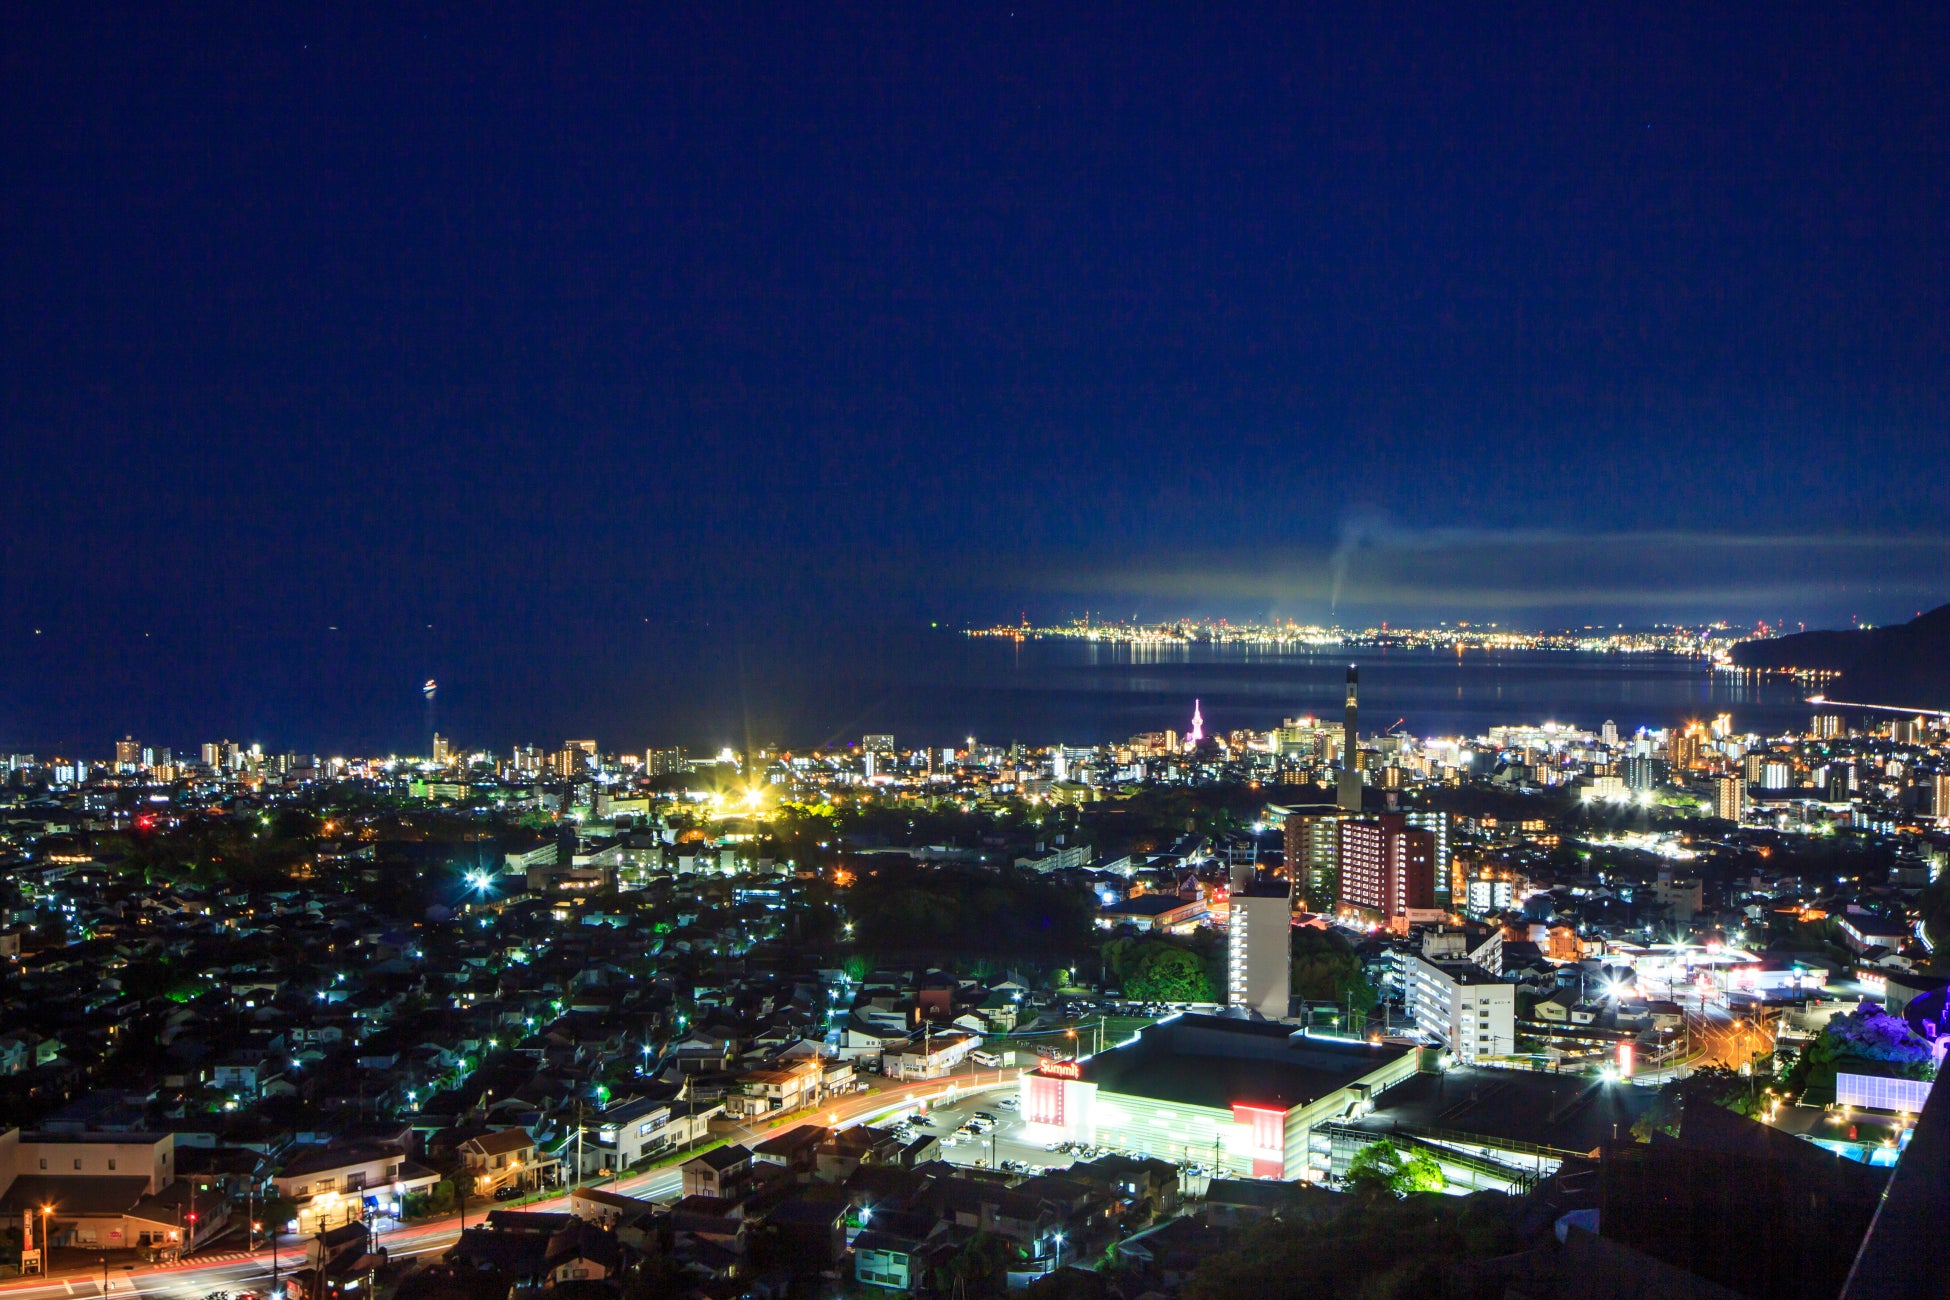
[(46, 1210)]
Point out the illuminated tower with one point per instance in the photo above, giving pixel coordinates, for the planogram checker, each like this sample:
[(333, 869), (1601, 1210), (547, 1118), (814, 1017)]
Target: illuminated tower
[(1197, 733), (1348, 792)]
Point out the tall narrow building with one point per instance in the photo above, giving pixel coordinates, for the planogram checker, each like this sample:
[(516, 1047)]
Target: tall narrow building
[(1259, 957), (1348, 793), (1313, 861)]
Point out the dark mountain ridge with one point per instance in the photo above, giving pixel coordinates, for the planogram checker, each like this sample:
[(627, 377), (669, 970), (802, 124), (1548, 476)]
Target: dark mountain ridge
[(1905, 664)]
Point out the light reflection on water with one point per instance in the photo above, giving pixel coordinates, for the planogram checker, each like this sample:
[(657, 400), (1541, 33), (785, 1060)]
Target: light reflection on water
[(941, 690)]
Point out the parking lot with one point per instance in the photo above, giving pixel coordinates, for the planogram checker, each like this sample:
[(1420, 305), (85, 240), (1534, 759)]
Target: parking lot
[(967, 1138)]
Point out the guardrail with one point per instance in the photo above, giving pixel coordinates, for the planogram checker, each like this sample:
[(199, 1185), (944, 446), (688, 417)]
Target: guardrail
[(1517, 1178)]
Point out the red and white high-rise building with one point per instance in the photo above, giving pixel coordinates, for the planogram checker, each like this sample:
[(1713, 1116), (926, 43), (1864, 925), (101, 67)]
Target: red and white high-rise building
[(1386, 869)]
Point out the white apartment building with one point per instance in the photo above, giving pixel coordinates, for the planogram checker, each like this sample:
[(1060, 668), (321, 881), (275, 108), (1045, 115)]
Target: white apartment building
[(1729, 798), (1471, 1011), (1486, 896), (1259, 956)]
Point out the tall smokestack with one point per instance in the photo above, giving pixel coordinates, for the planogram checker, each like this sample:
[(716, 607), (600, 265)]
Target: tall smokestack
[(1348, 792)]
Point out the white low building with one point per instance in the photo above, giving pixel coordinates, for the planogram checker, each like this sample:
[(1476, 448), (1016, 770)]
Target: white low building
[(101, 1190), (1471, 1011), (929, 1057), (334, 1186)]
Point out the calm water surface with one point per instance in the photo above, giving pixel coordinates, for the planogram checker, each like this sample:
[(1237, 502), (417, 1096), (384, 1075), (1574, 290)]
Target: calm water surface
[(939, 690), (706, 687)]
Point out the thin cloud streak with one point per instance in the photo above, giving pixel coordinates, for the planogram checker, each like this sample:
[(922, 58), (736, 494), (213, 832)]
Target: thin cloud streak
[(1479, 573)]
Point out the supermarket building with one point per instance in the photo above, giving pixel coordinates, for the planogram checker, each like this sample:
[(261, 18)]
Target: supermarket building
[(1238, 1096)]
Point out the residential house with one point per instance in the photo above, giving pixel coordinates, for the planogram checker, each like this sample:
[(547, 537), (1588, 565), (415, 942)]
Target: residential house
[(243, 1074), (793, 1150), (508, 1158), (1239, 1202), (718, 1172), (843, 1150), (627, 1132), (776, 1090), (803, 1234), (581, 1251), (1564, 1008), (864, 1040)]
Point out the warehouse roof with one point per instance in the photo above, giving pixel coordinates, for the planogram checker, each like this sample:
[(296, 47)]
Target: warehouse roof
[(1217, 1061)]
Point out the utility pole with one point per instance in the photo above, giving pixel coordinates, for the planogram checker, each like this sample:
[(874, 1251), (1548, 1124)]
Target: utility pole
[(372, 1245), (578, 1181)]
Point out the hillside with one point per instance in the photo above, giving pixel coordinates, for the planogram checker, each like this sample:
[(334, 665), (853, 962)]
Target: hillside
[(1905, 664)]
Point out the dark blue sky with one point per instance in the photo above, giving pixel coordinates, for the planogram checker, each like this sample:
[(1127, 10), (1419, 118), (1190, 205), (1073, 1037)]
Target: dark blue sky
[(532, 326)]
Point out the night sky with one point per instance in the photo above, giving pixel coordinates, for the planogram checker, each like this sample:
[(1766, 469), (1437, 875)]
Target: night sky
[(532, 329)]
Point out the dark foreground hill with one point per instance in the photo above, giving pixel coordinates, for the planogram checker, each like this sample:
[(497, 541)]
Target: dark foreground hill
[(1905, 664)]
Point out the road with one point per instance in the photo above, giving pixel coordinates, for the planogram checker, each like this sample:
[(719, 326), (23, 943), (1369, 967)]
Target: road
[(1726, 1040), (1716, 1034), (194, 1278)]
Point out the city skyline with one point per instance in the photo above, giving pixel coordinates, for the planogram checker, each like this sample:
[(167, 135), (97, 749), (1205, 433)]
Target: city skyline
[(964, 652)]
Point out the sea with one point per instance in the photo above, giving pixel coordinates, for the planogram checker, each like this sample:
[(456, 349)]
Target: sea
[(941, 691), (708, 689)]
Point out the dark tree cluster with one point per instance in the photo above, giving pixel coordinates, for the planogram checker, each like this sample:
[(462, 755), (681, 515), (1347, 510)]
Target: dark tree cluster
[(905, 908)]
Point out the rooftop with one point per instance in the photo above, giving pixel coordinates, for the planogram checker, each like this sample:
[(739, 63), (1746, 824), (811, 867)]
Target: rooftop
[(71, 1196), (1215, 1061), (1569, 1112), (1463, 972), (1148, 905), (100, 1139), (504, 1142), (339, 1157), (722, 1158)]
